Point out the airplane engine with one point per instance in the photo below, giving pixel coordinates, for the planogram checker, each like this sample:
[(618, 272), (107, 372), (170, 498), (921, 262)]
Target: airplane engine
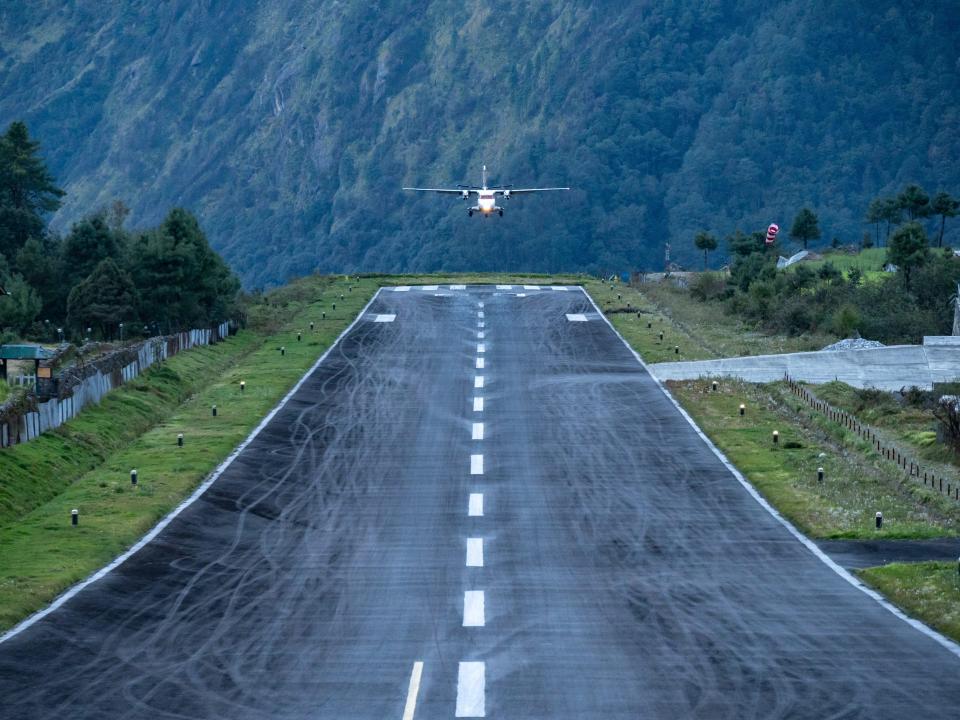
[(506, 194), (465, 194)]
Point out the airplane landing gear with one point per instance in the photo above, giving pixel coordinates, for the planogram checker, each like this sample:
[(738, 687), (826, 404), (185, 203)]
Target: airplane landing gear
[(470, 213), (501, 213)]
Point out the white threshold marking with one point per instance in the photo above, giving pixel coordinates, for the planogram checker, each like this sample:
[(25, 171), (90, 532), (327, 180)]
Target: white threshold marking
[(479, 304), (473, 613), (410, 708), (478, 381), (560, 287), (531, 287), (576, 317), (211, 479), (402, 288), (458, 287), (430, 288), (943, 640), (480, 314), (477, 431), (504, 287), (478, 404), (521, 294), (480, 363), (475, 505), (476, 464), (474, 552), (481, 335), (481, 348), (471, 689), (384, 318)]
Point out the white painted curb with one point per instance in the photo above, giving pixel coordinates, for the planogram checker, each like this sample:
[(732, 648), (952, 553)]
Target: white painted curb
[(203, 487), (807, 542)]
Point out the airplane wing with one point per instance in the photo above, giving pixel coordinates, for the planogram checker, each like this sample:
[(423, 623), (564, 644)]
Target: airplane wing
[(511, 191), (449, 191)]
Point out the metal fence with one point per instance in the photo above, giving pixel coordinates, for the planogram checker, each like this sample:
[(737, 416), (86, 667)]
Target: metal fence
[(90, 383)]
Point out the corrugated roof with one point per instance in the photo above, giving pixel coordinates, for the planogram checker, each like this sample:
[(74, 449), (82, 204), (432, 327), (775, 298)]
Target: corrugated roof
[(24, 352)]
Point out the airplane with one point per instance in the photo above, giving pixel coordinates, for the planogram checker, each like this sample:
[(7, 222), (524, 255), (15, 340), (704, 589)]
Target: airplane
[(486, 196)]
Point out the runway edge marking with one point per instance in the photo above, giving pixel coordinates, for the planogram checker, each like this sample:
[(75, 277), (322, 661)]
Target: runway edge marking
[(201, 489), (943, 640)]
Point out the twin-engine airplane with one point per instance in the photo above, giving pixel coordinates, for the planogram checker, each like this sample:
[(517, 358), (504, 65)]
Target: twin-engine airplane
[(486, 196)]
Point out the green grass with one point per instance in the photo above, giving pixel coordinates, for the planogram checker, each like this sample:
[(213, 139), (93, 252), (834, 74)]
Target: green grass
[(136, 427), (869, 260), (856, 485), (929, 591), (4, 391)]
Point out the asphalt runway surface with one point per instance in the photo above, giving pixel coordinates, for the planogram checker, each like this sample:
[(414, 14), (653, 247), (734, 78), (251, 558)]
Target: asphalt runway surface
[(375, 553)]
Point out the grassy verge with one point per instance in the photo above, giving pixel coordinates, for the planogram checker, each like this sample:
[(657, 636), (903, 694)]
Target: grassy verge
[(41, 554), (856, 486), (929, 591)]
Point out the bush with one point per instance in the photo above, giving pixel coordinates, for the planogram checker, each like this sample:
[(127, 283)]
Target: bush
[(709, 286)]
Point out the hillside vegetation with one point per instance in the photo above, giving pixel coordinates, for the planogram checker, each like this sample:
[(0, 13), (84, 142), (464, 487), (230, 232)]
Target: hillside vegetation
[(289, 127)]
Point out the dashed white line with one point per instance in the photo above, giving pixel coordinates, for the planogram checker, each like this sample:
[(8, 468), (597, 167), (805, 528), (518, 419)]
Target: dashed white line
[(476, 464), (473, 611), (474, 552), (402, 288), (458, 287), (479, 304), (521, 294), (477, 431), (414, 690), (475, 505), (576, 317), (430, 288), (504, 287), (481, 323), (478, 404), (560, 287), (478, 381), (480, 335), (384, 318), (481, 348), (480, 363), (531, 287), (480, 314), (471, 689)]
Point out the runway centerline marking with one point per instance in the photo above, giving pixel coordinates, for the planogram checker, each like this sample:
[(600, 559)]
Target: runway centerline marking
[(476, 464), (480, 334), (478, 381), (480, 314), (481, 348), (481, 323), (475, 505), (414, 690), (477, 431), (480, 363), (471, 689), (478, 404), (473, 611), (479, 304), (474, 552)]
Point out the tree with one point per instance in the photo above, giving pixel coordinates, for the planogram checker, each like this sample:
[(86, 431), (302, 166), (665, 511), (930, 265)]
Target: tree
[(742, 245), (875, 215), (27, 189), (706, 242), (181, 280), (38, 261), (806, 227), (908, 249), (19, 305), (915, 201), (90, 241), (103, 299), (944, 206), (891, 213)]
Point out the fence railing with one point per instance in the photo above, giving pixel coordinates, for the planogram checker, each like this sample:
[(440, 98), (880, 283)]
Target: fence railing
[(887, 451), (83, 385)]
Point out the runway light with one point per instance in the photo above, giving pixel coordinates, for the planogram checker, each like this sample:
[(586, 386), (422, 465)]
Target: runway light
[(879, 520), (133, 477), (213, 410), (243, 385), (179, 439), (776, 437), (74, 517), (743, 409), (819, 474), (715, 385), (311, 323)]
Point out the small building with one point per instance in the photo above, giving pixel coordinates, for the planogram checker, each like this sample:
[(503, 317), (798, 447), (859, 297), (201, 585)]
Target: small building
[(18, 361)]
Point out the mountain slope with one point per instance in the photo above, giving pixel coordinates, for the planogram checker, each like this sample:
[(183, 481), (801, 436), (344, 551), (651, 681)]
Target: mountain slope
[(289, 128)]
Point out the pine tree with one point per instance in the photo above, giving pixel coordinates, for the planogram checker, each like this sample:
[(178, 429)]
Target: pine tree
[(915, 201), (908, 249), (104, 299), (90, 241), (806, 227), (944, 206), (27, 189), (706, 242)]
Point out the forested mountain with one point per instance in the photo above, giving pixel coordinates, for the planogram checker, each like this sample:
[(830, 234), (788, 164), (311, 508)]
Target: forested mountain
[(289, 127)]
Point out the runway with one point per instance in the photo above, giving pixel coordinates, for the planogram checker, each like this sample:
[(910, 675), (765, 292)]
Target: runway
[(479, 505)]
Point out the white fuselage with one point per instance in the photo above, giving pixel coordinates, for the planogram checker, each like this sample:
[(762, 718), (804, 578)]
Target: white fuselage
[(486, 201)]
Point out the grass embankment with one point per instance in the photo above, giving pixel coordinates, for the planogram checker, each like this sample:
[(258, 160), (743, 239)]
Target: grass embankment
[(136, 427), (701, 331), (906, 420), (929, 591), (856, 484), (870, 261)]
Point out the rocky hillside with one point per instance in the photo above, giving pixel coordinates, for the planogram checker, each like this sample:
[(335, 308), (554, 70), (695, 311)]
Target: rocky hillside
[(289, 127)]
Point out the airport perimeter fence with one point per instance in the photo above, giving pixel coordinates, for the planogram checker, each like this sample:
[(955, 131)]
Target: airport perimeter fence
[(909, 466), (25, 418)]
